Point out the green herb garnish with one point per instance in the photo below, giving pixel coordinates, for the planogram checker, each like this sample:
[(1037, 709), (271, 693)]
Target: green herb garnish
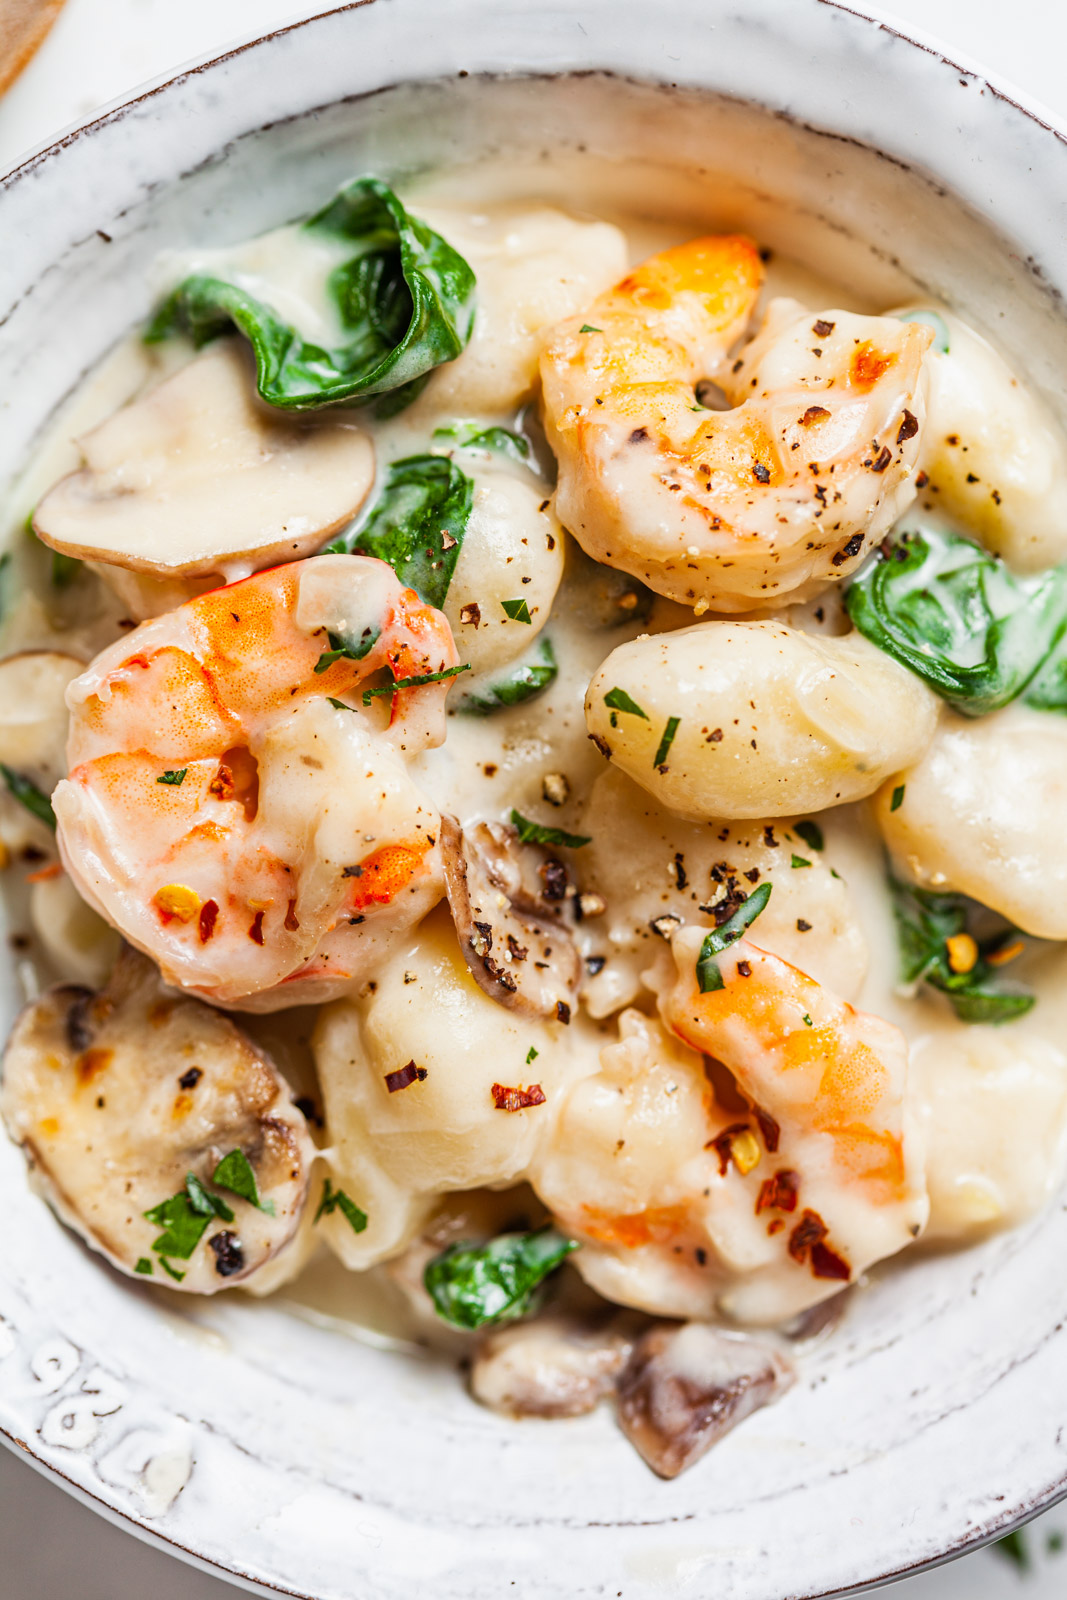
[(472, 1285), (472, 436), (925, 923), (404, 297), (235, 1174), (336, 1200), (417, 524), (174, 777), (516, 611), (144, 1267), (205, 1204), (28, 795), (587, 327), (667, 740), (183, 1226), (811, 834), (618, 700), (897, 799), (347, 649), (172, 1272), (799, 861), (413, 683), (531, 1055), (520, 683), (719, 939), (534, 833)]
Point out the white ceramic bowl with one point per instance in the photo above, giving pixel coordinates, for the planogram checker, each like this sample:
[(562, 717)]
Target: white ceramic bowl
[(291, 1457)]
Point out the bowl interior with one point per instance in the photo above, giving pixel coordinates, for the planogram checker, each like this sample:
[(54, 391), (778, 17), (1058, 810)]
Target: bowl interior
[(322, 1464)]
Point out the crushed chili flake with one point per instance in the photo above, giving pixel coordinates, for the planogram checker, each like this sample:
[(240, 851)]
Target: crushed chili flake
[(909, 427), (404, 1077), (209, 915), (780, 1192), (813, 414), (810, 1230), (722, 1144), (563, 1011), (826, 1263), (768, 1127), (255, 932), (505, 1099)]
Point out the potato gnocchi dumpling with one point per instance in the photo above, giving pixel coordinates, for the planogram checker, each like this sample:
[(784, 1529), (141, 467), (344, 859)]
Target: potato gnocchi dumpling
[(756, 719), (982, 814)]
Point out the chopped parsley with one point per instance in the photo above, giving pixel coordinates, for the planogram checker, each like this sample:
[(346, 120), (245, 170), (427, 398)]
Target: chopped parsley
[(336, 1200), (339, 705), (811, 834), (182, 1223), (534, 833), (719, 939), (413, 683), (171, 1272), (807, 1021), (618, 700), (347, 649), (517, 611), (235, 1174), (898, 798), (472, 1285), (531, 1055), (205, 1204), (800, 861), (587, 327), (926, 924), (28, 795), (667, 740), (144, 1267), (175, 777)]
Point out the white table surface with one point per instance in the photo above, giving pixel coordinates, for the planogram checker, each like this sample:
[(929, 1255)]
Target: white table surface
[(50, 1547)]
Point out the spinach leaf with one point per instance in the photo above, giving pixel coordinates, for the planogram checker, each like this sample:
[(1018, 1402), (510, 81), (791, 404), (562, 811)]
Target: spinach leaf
[(520, 683), (471, 1285), (417, 524), (28, 795), (337, 1200), (498, 441), (535, 833), (960, 619), (927, 925), (719, 939), (404, 297)]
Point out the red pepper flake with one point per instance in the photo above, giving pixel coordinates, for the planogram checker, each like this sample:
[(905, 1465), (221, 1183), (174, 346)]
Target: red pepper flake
[(922, 480), (722, 1144), (779, 1193), (255, 932), (909, 427), (505, 1099), (826, 1263), (209, 915), (292, 921), (772, 1133), (809, 1231), (775, 1225), (563, 1012), (812, 415), (404, 1077), (882, 459)]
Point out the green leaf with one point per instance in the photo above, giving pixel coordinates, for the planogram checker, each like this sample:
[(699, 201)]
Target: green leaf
[(587, 327), (183, 1226), (534, 833), (619, 700), (516, 611), (524, 681), (472, 1285), (347, 649), (177, 778), (336, 1200), (667, 740), (531, 1055), (413, 683), (404, 297), (416, 524), (897, 799), (959, 618), (930, 319), (235, 1174), (144, 1267), (811, 834), (339, 705), (171, 1271), (205, 1204), (709, 977), (28, 795), (925, 922), (472, 436), (799, 861)]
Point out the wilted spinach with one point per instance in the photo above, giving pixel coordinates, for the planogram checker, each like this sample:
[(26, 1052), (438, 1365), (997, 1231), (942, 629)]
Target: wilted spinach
[(959, 618), (417, 524), (926, 922), (471, 1285), (524, 681), (405, 300)]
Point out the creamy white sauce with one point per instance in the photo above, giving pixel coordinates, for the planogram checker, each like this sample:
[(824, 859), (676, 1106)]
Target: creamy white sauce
[(490, 765)]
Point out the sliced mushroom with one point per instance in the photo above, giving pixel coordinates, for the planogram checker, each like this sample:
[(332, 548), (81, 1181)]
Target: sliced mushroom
[(551, 1366), (198, 477), (684, 1388), (117, 1096), (513, 937), (33, 714)]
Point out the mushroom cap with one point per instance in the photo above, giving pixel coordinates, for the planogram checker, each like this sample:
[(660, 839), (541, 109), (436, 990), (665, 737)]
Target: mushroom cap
[(199, 475), (117, 1096)]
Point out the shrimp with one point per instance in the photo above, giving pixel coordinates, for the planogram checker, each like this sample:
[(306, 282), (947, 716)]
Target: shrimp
[(734, 509), (755, 1187), (236, 806)]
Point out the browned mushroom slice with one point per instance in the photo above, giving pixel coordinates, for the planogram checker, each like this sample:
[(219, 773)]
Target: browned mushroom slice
[(551, 1366), (684, 1387), (199, 478), (513, 937), (118, 1096)]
